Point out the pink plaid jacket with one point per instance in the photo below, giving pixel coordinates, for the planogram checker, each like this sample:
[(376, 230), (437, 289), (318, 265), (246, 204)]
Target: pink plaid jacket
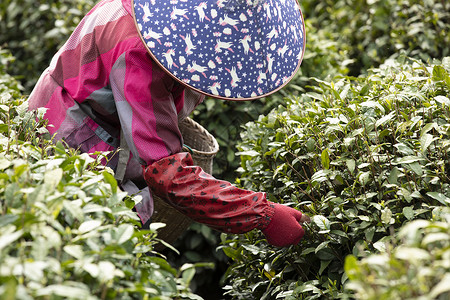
[(103, 81)]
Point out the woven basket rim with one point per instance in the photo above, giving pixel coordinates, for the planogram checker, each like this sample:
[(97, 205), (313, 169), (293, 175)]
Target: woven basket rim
[(204, 133)]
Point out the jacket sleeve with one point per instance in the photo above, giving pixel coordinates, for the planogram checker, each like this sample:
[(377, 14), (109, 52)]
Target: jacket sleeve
[(207, 200)]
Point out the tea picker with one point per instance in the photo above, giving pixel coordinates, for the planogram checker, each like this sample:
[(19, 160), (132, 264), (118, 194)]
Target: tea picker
[(134, 70)]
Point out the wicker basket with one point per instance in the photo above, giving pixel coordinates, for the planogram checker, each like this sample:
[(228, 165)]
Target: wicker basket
[(203, 147)]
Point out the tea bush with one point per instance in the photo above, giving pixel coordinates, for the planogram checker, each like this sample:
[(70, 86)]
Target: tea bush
[(33, 30), (66, 229), (7, 82), (362, 156), (419, 255), (198, 245), (342, 37), (373, 30)]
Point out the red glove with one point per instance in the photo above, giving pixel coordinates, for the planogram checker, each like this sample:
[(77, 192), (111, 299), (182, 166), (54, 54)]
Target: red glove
[(284, 229)]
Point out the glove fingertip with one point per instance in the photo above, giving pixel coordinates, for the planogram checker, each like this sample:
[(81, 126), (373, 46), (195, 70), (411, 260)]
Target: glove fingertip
[(297, 215), (300, 236)]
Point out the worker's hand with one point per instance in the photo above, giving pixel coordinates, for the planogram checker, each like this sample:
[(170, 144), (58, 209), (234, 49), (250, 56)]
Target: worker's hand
[(284, 229)]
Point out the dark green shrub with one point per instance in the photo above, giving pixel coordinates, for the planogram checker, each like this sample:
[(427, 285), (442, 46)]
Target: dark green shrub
[(361, 156), (342, 36), (198, 245), (224, 119), (33, 30), (7, 82), (373, 30)]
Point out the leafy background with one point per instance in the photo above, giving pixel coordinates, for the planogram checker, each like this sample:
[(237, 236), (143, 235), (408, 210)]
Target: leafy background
[(358, 140), (363, 156)]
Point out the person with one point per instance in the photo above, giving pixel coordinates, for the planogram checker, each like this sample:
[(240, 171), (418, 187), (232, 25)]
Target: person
[(131, 70)]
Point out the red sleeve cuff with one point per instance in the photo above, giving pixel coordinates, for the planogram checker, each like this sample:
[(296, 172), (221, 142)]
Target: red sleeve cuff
[(205, 199)]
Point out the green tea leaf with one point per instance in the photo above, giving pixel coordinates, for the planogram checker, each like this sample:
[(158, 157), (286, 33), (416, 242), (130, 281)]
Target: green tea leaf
[(89, 226), (66, 291), (4, 163), (439, 197), (364, 177), (408, 212), (351, 267), (436, 237), (408, 159), (351, 164), (385, 119), (323, 223), (52, 178), (325, 157), (323, 265), (124, 233), (386, 216), (9, 236), (443, 100), (425, 141), (74, 250), (417, 168), (321, 246), (442, 287), (109, 178), (439, 73), (7, 219), (369, 233), (406, 253), (253, 249)]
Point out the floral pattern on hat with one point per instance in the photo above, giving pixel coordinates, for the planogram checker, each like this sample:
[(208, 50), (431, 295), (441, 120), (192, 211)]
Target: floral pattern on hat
[(235, 49)]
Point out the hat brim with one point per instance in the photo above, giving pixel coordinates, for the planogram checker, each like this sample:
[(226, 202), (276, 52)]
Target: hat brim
[(232, 50)]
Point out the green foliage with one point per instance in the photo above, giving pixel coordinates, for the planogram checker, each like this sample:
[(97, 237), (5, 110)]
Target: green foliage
[(361, 156), (199, 245), (373, 30), (419, 255), (223, 120), (33, 30), (342, 37), (7, 82), (66, 229)]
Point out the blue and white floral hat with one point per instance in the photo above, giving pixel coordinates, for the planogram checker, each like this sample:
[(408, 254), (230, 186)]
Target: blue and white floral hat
[(228, 49)]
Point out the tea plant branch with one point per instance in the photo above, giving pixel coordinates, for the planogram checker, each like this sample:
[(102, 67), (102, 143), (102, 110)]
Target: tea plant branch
[(8, 120), (434, 162), (296, 266), (104, 289), (301, 177), (370, 157)]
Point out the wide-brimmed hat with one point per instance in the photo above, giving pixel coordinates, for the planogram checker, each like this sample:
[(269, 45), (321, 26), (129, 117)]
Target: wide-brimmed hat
[(234, 50)]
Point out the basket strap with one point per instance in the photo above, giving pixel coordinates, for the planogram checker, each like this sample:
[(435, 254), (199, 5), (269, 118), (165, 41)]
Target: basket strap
[(188, 149), (124, 156)]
